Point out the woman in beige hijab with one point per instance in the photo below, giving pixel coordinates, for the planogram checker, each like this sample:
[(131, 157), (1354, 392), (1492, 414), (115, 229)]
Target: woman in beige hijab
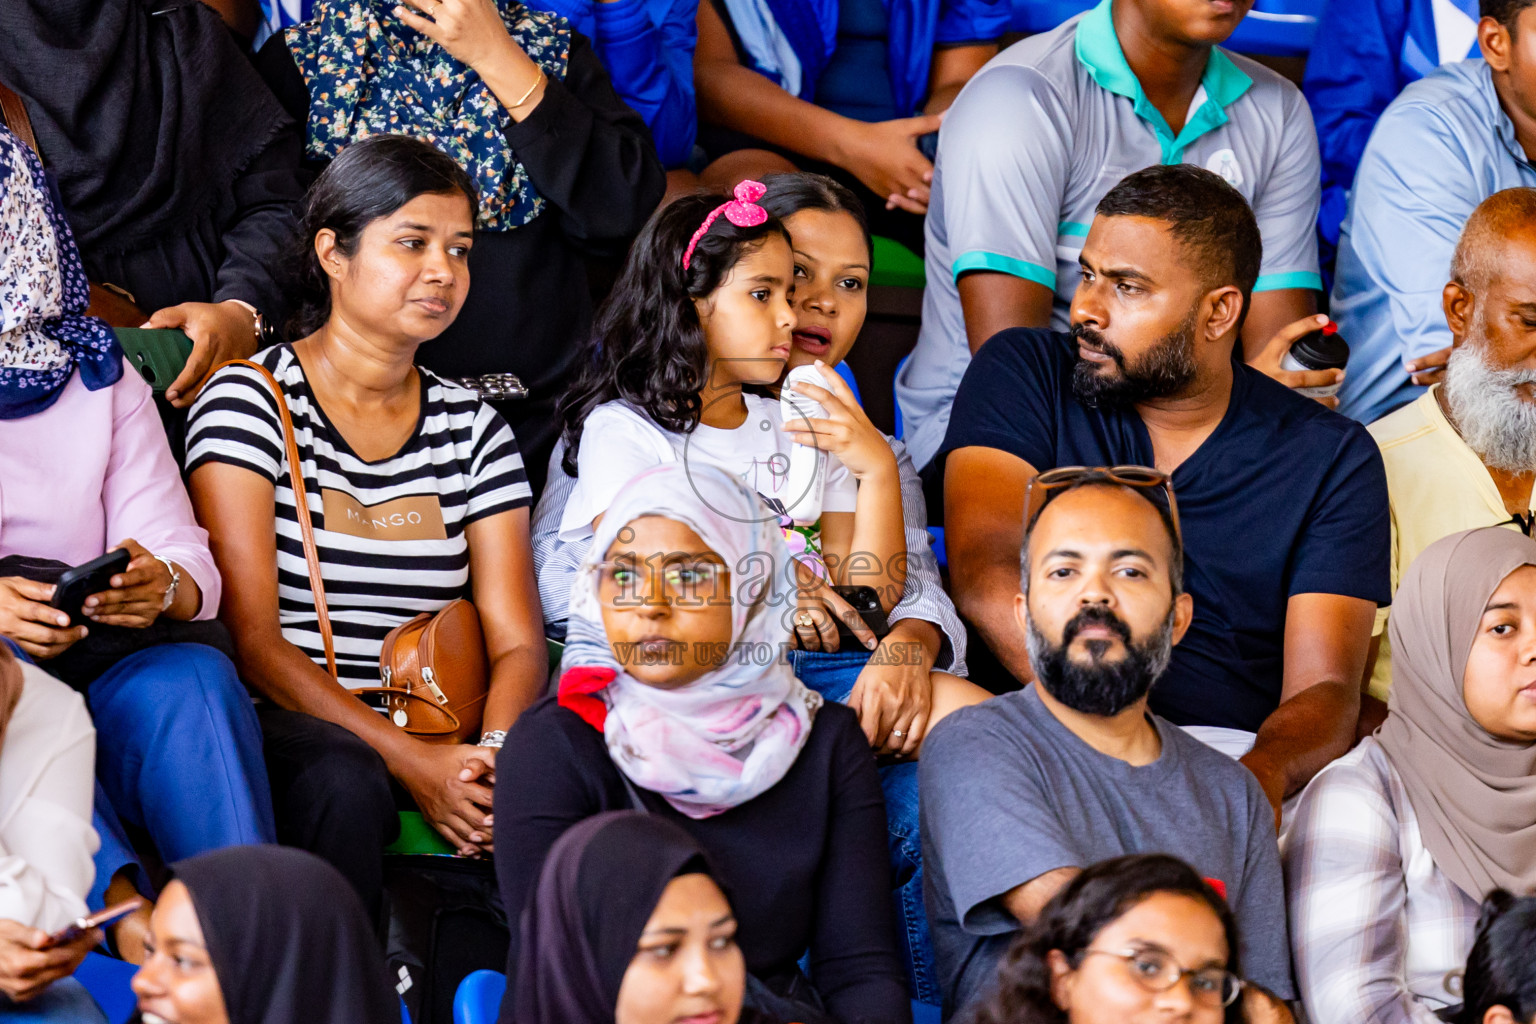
[(1395, 844)]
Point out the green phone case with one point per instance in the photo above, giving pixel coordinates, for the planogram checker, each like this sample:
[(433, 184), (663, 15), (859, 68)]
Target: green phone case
[(158, 355)]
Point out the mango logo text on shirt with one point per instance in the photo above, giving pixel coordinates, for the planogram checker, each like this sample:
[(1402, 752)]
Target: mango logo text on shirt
[(413, 517)]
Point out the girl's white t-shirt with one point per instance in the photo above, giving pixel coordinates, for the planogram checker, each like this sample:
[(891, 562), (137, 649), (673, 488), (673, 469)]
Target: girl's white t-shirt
[(618, 441)]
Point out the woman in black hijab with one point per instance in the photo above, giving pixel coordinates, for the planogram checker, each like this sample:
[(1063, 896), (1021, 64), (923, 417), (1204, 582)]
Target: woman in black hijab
[(627, 926), (262, 935), (178, 169)]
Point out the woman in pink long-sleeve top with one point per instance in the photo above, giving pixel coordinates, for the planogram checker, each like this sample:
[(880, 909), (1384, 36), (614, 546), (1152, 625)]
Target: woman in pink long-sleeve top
[(85, 468)]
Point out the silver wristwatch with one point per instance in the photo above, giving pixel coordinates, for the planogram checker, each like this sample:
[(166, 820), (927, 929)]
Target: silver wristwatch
[(170, 592)]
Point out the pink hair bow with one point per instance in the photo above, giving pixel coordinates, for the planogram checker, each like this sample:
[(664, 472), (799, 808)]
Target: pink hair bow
[(742, 211)]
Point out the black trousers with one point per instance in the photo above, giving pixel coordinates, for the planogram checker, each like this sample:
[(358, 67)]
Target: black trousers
[(332, 796)]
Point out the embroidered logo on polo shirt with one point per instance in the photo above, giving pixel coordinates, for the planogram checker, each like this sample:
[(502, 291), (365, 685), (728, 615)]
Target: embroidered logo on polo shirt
[(414, 517), (1224, 162)]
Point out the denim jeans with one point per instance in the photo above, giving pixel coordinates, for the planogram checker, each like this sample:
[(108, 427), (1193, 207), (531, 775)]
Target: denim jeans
[(178, 750), (833, 676)]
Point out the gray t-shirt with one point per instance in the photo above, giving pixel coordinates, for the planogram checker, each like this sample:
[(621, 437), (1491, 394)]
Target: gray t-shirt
[(1010, 793)]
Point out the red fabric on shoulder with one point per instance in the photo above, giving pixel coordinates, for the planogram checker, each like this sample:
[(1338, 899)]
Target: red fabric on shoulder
[(578, 691)]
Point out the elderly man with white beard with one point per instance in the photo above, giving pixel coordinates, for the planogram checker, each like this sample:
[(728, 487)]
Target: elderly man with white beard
[(1463, 455)]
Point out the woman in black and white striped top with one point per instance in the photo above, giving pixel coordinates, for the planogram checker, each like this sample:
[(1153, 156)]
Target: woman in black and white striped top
[(390, 533), (417, 495)]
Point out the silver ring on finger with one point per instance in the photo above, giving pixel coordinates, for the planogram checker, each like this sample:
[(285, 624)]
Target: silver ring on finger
[(805, 620), (897, 733)]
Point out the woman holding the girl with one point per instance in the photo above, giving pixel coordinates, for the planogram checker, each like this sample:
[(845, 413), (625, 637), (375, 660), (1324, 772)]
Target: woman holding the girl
[(417, 495), (1396, 844)]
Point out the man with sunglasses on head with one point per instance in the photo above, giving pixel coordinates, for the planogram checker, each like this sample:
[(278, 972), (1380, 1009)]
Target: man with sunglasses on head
[(1284, 503), (1023, 791)]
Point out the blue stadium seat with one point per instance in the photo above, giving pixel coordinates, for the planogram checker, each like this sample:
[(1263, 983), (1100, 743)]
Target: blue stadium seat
[(1043, 15), (1278, 28), (898, 428), (846, 372), (107, 980), (478, 1000)]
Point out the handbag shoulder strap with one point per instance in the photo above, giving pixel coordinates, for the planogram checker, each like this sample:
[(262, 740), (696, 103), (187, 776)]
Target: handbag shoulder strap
[(301, 505), (14, 113)]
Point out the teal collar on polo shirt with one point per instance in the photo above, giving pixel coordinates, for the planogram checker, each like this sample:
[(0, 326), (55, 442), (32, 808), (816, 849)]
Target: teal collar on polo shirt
[(1098, 50)]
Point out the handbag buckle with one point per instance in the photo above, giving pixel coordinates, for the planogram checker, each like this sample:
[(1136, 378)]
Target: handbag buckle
[(384, 674), (428, 677)]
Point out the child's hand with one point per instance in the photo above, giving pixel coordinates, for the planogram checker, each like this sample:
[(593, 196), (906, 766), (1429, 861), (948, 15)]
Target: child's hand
[(846, 432)]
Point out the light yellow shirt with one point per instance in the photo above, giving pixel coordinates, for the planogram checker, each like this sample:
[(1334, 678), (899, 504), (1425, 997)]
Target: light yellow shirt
[(1436, 486)]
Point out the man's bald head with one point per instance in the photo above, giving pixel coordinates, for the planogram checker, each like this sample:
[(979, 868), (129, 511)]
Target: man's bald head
[(1490, 307), (1503, 220)]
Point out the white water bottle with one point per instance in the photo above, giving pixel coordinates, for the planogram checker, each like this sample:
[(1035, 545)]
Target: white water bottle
[(807, 465)]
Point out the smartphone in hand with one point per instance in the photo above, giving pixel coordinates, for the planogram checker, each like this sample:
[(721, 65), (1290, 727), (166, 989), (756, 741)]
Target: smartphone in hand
[(86, 579), (865, 601), (84, 925)]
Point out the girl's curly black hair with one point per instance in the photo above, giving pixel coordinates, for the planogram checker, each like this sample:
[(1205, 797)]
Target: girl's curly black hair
[(647, 346), (1073, 919), (1501, 970)]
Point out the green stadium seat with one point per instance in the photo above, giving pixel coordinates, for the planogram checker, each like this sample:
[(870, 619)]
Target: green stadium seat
[(418, 839), (896, 266)]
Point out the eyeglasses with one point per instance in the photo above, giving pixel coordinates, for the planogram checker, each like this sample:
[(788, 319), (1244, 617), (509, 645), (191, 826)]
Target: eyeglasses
[(1044, 486), (1157, 971), (630, 580)]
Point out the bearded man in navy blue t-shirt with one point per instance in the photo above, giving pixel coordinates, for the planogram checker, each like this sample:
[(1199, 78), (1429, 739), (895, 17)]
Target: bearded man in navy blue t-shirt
[(1284, 503)]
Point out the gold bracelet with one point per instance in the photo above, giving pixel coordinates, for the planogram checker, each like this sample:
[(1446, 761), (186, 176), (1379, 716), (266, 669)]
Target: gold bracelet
[(531, 89)]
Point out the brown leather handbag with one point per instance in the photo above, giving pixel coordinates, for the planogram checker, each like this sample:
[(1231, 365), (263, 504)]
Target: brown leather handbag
[(435, 675), (434, 669), (108, 302)]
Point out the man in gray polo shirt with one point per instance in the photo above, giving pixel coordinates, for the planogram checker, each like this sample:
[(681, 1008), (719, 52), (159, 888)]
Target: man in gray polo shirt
[(1049, 126)]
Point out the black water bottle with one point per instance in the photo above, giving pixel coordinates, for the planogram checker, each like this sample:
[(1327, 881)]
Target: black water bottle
[(1322, 349)]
